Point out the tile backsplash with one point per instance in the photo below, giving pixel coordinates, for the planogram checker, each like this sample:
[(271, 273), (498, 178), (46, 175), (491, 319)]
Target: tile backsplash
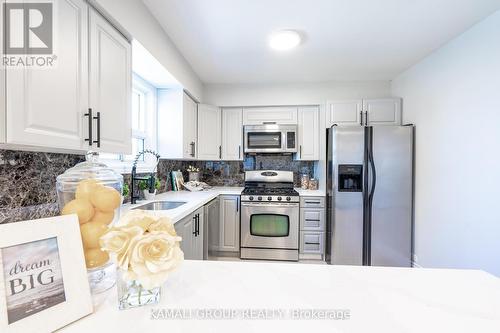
[(27, 179)]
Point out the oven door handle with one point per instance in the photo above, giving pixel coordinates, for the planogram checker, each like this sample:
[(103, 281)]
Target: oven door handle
[(269, 204)]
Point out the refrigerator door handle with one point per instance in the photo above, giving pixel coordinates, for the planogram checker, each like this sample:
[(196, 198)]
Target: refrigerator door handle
[(373, 177)]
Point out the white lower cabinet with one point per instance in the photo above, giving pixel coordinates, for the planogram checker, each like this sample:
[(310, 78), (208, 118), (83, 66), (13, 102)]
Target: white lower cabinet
[(229, 227), (212, 221), (312, 228), (191, 230)]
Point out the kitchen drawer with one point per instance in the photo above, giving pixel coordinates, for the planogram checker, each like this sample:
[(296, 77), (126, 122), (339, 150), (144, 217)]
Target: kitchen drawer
[(312, 242), (313, 202), (312, 219)]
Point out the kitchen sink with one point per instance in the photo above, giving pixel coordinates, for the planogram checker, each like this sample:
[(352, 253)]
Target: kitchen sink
[(161, 205)]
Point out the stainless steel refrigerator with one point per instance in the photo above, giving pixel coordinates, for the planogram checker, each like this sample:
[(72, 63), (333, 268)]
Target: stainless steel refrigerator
[(370, 195)]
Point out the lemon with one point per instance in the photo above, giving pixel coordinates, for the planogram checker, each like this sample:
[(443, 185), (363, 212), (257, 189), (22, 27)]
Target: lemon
[(95, 258), (80, 207), (106, 199), (91, 232), (86, 187), (103, 217)]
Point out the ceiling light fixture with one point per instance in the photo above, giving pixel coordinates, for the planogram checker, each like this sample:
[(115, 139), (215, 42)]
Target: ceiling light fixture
[(284, 40)]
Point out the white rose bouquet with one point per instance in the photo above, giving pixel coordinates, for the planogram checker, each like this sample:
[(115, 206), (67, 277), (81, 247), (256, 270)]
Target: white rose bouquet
[(145, 246)]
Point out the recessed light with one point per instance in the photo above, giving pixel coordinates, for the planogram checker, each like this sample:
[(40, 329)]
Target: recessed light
[(284, 40)]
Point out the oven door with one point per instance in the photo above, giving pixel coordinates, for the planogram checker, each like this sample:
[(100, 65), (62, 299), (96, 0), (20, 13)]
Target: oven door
[(270, 225)]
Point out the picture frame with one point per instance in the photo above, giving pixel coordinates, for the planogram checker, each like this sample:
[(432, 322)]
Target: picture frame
[(43, 278)]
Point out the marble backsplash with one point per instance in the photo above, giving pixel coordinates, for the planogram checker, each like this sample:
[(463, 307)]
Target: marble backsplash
[(27, 179)]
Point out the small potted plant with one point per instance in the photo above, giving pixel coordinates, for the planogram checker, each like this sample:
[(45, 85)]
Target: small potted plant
[(125, 191), (194, 173), (148, 190)]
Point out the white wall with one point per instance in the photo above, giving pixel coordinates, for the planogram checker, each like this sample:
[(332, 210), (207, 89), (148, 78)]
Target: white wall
[(453, 98), (136, 19), (292, 94)]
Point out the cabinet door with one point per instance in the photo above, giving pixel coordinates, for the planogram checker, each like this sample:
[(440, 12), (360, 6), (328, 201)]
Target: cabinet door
[(308, 134), (198, 239), (345, 112), (212, 217), (2, 84), (270, 115), (190, 120), (229, 224), (209, 133), (110, 85), (232, 134), (45, 107), (382, 111), (185, 229)]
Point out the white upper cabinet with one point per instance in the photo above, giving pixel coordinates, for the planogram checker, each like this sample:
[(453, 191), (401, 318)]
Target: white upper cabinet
[(177, 125), (190, 125), (110, 86), (344, 112), (382, 111), (209, 133), (83, 101), (2, 85), (46, 107), (270, 115), (364, 112), (308, 133), (232, 134)]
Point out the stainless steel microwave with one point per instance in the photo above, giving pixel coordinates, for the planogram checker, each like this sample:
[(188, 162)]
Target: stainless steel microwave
[(270, 138)]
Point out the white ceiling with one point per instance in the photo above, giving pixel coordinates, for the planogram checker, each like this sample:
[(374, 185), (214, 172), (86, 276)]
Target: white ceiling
[(225, 41)]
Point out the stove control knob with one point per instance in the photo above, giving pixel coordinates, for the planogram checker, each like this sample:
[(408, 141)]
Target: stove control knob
[(280, 198), (250, 198), (269, 198), (259, 198), (288, 198)]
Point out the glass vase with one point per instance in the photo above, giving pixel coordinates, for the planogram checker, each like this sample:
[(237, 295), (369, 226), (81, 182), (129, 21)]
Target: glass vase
[(132, 294)]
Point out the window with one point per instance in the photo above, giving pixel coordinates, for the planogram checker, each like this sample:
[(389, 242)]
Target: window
[(143, 129)]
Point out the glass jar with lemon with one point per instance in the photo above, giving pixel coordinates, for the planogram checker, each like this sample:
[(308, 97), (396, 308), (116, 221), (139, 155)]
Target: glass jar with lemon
[(93, 192)]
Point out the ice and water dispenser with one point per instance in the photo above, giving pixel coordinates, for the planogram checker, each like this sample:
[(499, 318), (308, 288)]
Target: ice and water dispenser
[(350, 178)]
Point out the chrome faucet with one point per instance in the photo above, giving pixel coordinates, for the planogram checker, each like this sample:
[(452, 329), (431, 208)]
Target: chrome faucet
[(133, 198)]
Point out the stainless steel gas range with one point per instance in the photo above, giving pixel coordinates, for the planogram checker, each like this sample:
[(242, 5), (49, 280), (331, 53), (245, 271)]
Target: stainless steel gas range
[(269, 216)]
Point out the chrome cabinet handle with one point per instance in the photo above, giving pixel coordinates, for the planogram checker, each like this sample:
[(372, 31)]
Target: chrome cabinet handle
[(192, 149), (366, 118), (300, 151), (220, 152), (268, 123), (361, 117), (311, 220), (311, 243), (239, 152)]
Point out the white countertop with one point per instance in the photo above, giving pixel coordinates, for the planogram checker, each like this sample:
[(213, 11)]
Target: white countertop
[(310, 193), (194, 200), (378, 299)]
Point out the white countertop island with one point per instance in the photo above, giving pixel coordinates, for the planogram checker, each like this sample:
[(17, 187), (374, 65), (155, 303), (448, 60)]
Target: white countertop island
[(376, 300)]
